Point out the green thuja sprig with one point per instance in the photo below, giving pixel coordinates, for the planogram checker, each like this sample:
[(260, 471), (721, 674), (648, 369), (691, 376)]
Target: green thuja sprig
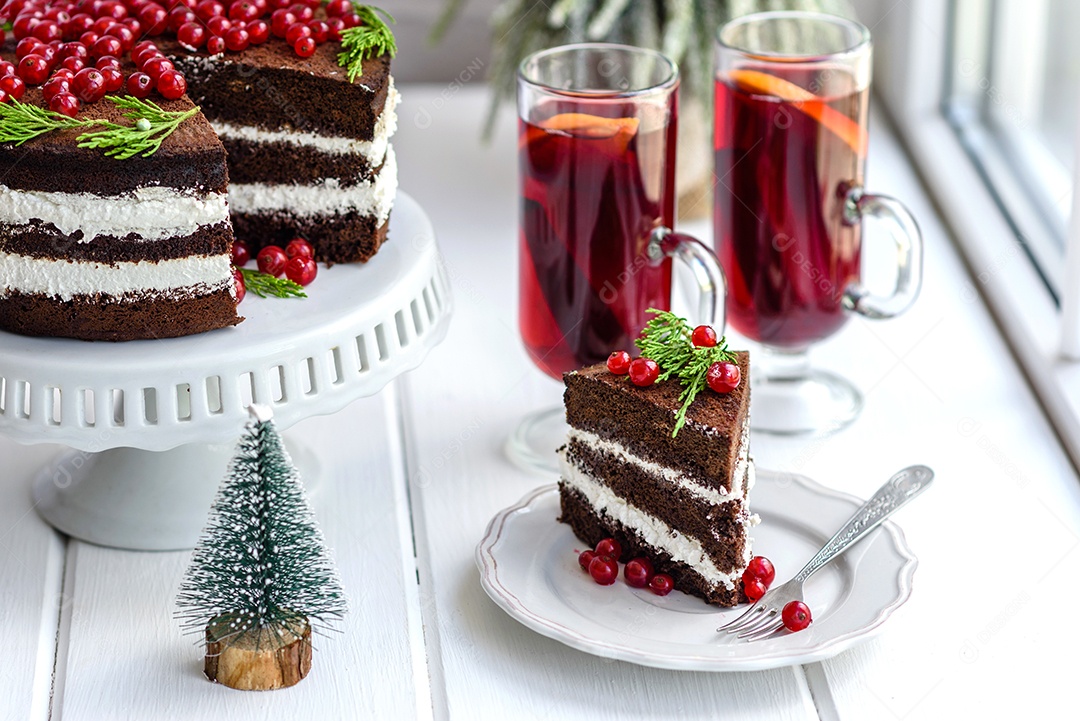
[(152, 125), (20, 122), (667, 339), (264, 284), (371, 38)]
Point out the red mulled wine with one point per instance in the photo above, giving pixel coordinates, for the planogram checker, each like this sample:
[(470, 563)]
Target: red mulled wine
[(789, 145), (594, 186)]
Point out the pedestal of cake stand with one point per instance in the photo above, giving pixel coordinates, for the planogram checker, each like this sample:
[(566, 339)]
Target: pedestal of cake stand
[(153, 423)]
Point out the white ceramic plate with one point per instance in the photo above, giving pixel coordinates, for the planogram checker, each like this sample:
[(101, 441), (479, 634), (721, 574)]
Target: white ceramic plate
[(528, 565)]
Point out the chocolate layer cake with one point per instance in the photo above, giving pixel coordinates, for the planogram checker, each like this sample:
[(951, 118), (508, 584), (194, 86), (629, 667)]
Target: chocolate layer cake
[(103, 249), (682, 501), (309, 152)]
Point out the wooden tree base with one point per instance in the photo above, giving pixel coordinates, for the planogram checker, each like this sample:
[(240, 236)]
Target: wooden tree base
[(259, 659)]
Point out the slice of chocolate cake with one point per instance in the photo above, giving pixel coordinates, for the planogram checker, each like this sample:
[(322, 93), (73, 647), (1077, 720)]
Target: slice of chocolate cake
[(309, 152), (681, 501), (103, 249)]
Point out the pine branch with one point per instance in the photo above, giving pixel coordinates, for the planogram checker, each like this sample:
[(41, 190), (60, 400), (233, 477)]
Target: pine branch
[(370, 39), (152, 125), (264, 285), (666, 339), (20, 122)]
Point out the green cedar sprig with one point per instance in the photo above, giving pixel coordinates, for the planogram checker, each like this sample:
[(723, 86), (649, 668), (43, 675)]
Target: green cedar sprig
[(264, 284), (667, 339), (370, 39), (20, 122), (152, 125)]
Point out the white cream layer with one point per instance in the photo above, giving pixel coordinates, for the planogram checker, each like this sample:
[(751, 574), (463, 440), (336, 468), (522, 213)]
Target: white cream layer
[(65, 279), (671, 475), (652, 530), (326, 197), (373, 150), (153, 213)]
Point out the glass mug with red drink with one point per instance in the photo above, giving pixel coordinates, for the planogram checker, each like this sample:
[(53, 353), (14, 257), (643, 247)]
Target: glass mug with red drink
[(596, 151), (792, 90)]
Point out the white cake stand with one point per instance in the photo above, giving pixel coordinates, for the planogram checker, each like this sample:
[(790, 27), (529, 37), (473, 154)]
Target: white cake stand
[(152, 424)]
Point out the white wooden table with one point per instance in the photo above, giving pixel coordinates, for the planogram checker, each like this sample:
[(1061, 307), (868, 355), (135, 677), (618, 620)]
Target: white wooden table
[(413, 475)]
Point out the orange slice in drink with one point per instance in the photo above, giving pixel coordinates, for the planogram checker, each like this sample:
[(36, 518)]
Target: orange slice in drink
[(765, 84), (595, 127)]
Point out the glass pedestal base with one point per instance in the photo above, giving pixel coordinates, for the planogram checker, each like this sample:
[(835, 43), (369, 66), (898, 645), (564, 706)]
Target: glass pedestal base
[(533, 443), (789, 398)]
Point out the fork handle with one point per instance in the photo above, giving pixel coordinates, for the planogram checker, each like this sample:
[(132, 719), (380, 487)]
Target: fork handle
[(892, 496)]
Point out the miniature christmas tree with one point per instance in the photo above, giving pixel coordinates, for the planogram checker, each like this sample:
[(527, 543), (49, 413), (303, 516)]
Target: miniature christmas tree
[(261, 571)]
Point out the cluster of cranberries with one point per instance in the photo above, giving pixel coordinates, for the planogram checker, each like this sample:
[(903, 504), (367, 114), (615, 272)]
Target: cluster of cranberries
[(722, 376), (74, 48), (296, 262), (757, 578), (602, 563)]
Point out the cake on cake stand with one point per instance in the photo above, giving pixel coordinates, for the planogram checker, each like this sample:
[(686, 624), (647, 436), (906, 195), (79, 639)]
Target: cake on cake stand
[(151, 424)]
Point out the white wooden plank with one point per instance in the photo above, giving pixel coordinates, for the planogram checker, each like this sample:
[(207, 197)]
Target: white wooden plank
[(459, 408), (127, 658), (31, 566)]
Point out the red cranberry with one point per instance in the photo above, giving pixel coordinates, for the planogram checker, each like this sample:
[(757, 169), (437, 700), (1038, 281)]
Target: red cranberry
[(141, 46), (215, 45), (298, 247), (604, 570), (243, 10), (88, 85), (320, 31), (761, 567), (796, 616), (65, 104), (123, 34), (107, 45), (302, 12), (142, 57), (191, 35), (6, 68), (28, 46), (237, 39), (638, 572), (723, 377), (101, 25), (63, 73), (114, 10), (24, 25), (337, 8), (585, 558), (280, 22), (703, 336), (304, 47), (754, 588), (218, 25), (114, 79), (73, 49), (47, 31), (140, 85), (13, 86), (301, 270), (239, 285), (89, 38), (154, 19), (180, 15), (296, 31), (643, 371), (661, 584), (33, 69), (171, 85), (107, 61), (156, 66), (79, 24), (619, 362), (272, 260), (352, 20), (54, 87), (336, 25), (208, 9), (73, 64), (4, 97), (258, 32), (134, 26), (241, 254), (609, 547)]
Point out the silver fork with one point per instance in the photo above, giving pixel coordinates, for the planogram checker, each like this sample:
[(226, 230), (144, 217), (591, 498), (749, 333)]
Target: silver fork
[(763, 618)]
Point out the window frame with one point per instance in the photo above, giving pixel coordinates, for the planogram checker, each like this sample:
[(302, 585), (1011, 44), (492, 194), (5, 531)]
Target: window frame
[(911, 80)]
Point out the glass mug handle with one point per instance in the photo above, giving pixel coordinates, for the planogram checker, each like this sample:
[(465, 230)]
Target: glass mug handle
[(858, 204), (663, 243)]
